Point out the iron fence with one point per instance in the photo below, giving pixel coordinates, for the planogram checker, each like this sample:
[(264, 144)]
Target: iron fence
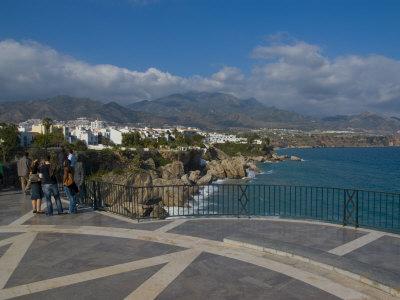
[(353, 207)]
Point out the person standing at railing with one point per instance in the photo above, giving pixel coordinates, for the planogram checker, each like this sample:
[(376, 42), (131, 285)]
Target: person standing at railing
[(23, 165), (72, 159), (47, 174), (34, 184), (70, 187)]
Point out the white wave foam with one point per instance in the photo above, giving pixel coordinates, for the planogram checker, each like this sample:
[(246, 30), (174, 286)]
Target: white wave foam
[(198, 204)]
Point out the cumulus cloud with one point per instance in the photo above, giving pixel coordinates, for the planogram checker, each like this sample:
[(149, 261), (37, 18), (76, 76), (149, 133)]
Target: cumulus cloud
[(298, 75), (292, 75)]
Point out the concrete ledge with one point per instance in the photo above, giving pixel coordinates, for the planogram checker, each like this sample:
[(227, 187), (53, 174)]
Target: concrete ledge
[(385, 288)]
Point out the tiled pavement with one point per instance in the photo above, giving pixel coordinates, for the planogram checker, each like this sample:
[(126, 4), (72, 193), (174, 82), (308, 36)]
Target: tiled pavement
[(95, 255)]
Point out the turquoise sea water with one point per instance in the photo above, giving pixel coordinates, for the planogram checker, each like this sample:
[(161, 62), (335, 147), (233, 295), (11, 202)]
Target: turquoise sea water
[(359, 168)]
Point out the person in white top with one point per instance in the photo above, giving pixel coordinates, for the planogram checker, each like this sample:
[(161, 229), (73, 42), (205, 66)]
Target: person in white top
[(72, 158)]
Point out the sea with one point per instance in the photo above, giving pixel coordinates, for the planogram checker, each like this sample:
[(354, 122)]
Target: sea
[(315, 187), (373, 168)]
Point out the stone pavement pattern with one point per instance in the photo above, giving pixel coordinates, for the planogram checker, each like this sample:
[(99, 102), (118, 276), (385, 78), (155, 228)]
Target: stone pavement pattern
[(97, 255)]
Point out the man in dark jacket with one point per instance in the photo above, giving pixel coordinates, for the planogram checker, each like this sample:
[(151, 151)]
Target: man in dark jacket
[(47, 174)]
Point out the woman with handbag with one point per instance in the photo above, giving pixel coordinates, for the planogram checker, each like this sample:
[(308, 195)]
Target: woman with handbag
[(70, 188), (35, 186)]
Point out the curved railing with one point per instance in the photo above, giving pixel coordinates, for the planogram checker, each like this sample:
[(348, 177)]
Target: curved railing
[(373, 209)]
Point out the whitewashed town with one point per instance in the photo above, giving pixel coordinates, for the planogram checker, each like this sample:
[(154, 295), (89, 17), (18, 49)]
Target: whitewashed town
[(93, 133)]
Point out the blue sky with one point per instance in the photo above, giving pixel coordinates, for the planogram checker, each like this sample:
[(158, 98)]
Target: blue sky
[(186, 38)]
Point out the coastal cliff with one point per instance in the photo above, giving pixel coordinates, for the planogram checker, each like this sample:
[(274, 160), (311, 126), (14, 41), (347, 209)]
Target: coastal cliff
[(172, 178)]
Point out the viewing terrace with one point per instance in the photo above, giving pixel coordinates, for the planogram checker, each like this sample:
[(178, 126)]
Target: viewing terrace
[(235, 253)]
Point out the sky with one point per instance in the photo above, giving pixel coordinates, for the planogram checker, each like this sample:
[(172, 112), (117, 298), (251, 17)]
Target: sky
[(315, 57)]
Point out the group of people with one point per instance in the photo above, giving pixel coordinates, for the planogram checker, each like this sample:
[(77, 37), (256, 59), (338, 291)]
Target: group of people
[(42, 179)]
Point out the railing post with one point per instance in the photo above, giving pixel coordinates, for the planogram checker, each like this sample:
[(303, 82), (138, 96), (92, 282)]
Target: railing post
[(94, 189), (344, 208), (356, 223)]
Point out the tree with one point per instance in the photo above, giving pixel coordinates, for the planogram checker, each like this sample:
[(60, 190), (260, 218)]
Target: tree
[(132, 139), (105, 141), (53, 139), (9, 140), (47, 123), (251, 137), (79, 146)]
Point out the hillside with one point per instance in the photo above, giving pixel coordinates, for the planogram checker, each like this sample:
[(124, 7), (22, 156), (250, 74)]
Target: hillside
[(218, 110), (203, 110), (366, 121), (67, 108)]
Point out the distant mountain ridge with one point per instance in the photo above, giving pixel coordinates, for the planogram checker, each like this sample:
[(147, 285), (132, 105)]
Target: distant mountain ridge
[(68, 108), (365, 121), (204, 110), (219, 110)]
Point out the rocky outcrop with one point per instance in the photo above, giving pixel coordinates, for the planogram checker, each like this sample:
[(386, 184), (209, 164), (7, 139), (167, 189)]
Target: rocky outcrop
[(149, 164), (234, 167), (173, 192), (276, 157), (173, 170), (194, 176), (214, 153), (216, 169), (154, 210), (252, 167), (206, 179), (149, 190), (258, 159), (190, 159), (185, 179)]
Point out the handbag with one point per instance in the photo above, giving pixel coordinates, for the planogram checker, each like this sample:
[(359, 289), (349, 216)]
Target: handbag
[(69, 180)]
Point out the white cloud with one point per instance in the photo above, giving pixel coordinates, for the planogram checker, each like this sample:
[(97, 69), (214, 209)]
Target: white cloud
[(293, 75)]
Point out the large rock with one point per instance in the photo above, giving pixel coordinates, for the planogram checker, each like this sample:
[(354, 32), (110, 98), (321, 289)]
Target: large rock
[(185, 179), (194, 176), (142, 179), (206, 179), (149, 164), (276, 157), (252, 167), (234, 167), (135, 210), (143, 193), (214, 153), (295, 158), (173, 192), (154, 174), (173, 170), (258, 158), (191, 159), (216, 169)]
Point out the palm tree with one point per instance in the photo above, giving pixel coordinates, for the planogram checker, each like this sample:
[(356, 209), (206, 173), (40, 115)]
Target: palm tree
[(47, 123)]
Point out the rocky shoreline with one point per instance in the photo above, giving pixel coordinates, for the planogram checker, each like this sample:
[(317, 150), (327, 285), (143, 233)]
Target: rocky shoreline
[(176, 183)]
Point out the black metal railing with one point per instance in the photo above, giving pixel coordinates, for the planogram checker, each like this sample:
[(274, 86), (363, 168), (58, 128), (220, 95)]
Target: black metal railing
[(353, 207)]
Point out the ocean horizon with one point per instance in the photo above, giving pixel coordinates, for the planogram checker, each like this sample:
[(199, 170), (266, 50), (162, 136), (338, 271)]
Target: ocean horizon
[(369, 168)]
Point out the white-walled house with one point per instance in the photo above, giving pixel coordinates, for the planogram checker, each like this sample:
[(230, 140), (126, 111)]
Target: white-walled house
[(85, 135), (220, 138), (115, 136)]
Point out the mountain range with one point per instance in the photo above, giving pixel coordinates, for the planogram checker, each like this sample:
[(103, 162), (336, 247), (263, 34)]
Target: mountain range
[(204, 110)]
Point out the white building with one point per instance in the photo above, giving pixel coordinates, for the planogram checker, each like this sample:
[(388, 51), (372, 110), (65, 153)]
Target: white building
[(115, 135), (97, 125), (220, 138), (85, 135)]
